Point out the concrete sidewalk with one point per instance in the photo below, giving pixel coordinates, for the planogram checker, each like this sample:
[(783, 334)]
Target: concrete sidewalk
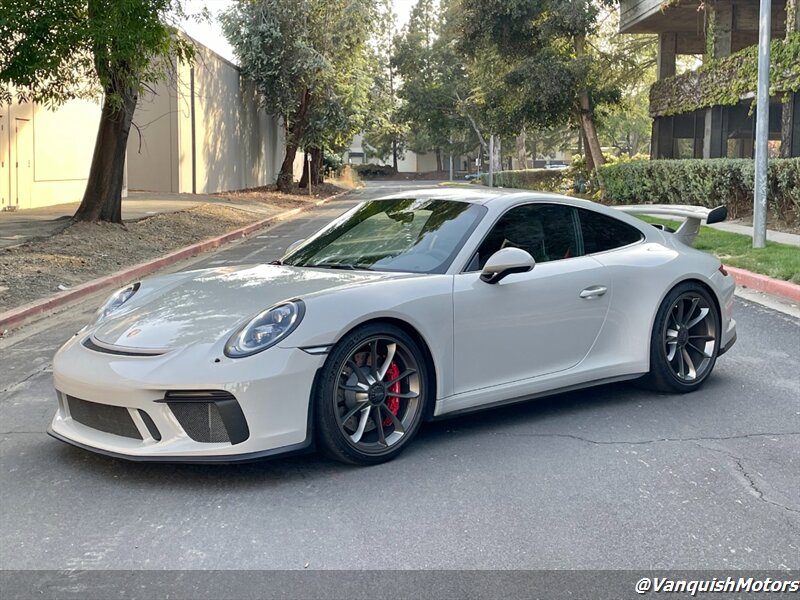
[(17, 227), (779, 237)]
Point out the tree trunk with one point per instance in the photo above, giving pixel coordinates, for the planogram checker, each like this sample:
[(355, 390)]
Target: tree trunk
[(590, 165), (102, 200), (586, 113), (304, 179), (522, 152), (590, 132), (439, 166), (496, 158), (316, 166), (476, 129), (394, 154), (293, 137)]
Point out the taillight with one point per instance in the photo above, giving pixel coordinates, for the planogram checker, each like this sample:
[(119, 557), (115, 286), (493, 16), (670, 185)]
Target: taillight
[(722, 270)]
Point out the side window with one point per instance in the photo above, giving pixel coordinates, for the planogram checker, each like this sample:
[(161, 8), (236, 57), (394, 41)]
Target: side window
[(601, 232), (546, 231)]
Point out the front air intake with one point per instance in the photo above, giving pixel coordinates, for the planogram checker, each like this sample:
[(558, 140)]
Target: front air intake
[(103, 417), (210, 417)]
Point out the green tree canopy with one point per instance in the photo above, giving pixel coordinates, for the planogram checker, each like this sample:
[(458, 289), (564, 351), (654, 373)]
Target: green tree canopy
[(309, 63), (532, 63), (58, 50)]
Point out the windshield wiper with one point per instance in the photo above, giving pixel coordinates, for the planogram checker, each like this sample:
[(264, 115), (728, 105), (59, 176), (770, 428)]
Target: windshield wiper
[(339, 266)]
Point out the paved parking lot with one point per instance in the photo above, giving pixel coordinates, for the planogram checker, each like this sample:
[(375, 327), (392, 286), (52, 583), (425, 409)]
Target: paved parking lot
[(607, 478)]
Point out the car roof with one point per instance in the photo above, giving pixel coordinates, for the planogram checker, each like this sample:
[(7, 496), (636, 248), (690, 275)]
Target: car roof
[(499, 200), (496, 198)]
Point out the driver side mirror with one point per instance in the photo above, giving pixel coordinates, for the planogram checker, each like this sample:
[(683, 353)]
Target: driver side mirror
[(505, 262)]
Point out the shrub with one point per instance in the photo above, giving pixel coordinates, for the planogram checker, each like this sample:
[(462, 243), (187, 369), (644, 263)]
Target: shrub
[(704, 182), (372, 170), (332, 163), (540, 180)]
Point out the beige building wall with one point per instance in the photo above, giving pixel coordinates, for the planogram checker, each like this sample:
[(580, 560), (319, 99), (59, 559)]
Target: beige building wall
[(411, 163), (214, 139), (203, 132), (45, 154), (153, 143), (426, 163)]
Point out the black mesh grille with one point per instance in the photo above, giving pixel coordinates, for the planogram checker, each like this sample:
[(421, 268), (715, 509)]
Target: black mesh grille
[(200, 420), (104, 417)]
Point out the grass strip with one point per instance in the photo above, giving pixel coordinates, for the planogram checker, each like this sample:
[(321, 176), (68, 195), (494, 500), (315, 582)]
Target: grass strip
[(780, 261)]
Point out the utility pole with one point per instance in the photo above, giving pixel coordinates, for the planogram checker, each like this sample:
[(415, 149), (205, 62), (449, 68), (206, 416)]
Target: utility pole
[(308, 154), (451, 158), (491, 160), (762, 128)]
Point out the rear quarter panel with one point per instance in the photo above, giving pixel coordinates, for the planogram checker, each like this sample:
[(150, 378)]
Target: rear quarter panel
[(642, 275)]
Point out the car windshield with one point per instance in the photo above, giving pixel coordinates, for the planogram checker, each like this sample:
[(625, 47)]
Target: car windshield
[(414, 236)]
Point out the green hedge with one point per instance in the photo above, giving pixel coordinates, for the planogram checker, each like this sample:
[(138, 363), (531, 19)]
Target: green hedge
[(705, 182), (541, 180), (372, 170)]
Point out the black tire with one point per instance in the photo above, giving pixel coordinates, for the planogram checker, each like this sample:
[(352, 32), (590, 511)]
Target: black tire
[(346, 389), (681, 324)]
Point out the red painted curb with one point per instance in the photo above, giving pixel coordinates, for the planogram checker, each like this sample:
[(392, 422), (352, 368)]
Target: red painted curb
[(762, 283), (17, 316)]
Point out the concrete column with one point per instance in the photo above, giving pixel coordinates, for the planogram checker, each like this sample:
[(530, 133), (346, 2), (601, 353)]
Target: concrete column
[(667, 49), (699, 128), (722, 28), (715, 138), (790, 109), (790, 127), (662, 142)]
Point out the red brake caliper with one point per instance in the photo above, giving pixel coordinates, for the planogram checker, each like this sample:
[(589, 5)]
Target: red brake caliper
[(392, 402)]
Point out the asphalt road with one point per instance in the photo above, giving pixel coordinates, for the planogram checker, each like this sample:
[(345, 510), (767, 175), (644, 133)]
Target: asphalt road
[(608, 478)]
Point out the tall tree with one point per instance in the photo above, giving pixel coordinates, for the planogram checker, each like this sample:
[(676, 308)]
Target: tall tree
[(57, 50), (385, 130), (272, 40), (538, 49), (626, 63), (435, 91), (307, 61), (341, 104)]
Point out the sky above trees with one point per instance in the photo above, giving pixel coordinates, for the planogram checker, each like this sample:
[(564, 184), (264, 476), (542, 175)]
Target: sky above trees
[(209, 33)]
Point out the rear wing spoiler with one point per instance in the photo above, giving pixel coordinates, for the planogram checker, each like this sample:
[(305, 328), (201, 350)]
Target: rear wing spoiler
[(692, 215)]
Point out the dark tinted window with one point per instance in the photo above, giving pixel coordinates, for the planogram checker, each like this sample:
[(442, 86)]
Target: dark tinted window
[(601, 232), (545, 231)]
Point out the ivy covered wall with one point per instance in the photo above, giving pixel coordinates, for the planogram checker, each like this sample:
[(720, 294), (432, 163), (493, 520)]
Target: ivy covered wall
[(726, 81)]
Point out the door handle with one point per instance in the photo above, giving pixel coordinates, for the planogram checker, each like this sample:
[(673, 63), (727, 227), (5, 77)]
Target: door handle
[(593, 292)]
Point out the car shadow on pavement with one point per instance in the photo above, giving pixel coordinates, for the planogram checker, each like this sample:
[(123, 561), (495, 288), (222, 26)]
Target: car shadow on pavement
[(573, 414)]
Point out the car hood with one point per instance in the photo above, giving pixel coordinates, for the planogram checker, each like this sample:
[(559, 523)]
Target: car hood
[(203, 306)]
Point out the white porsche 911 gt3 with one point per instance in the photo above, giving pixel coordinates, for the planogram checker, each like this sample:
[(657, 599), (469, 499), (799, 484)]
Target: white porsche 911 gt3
[(403, 309)]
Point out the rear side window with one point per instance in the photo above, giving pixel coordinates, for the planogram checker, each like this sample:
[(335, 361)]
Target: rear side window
[(601, 232)]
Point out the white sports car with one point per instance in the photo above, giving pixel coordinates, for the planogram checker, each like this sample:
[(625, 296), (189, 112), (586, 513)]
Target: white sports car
[(403, 309)]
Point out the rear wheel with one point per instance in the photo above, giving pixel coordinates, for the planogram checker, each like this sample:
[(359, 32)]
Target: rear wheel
[(685, 340), (370, 399)]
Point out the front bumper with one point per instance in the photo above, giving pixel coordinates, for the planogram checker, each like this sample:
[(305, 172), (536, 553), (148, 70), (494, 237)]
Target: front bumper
[(271, 391), (726, 286)]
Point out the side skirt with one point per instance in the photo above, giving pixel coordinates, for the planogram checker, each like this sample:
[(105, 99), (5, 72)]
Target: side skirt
[(525, 398)]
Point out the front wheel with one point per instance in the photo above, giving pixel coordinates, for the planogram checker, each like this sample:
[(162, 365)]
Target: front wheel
[(685, 340), (371, 396)]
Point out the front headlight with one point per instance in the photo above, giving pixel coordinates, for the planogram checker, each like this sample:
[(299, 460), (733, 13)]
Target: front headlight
[(116, 300), (265, 329)]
